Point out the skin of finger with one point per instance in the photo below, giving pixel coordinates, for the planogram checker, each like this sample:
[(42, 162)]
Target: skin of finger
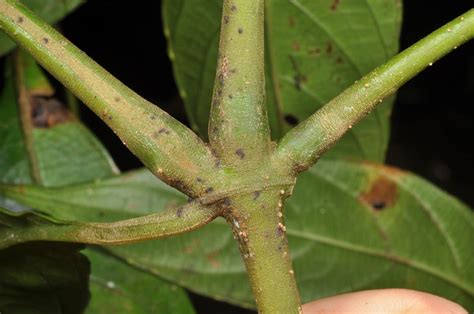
[(388, 301)]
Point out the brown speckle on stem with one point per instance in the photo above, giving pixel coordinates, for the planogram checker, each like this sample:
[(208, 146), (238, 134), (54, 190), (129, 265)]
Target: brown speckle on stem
[(209, 190), (256, 194), (45, 40), (240, 30), (20, 19), (240, 152)]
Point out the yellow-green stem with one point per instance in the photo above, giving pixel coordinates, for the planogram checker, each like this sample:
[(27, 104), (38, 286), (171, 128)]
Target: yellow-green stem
[(168, 148), (304, 144), (257, 223), (238, 127)]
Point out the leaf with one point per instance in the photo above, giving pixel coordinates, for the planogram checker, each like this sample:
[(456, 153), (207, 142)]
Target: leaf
[(351, 226), (116, 288), (134, 194), (43, 278), (314, 50), (50, 10), (63, 149), (68, 153)]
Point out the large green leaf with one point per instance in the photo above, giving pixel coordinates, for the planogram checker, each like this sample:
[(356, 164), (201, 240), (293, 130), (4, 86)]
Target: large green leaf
[(314, 50), (43, 278), (50, 10), (66, 152), (118, 288), (351, 226)]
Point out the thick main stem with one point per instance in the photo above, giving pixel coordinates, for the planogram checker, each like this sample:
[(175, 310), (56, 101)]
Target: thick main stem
[(258, 226), (238, 126), (303, 145)]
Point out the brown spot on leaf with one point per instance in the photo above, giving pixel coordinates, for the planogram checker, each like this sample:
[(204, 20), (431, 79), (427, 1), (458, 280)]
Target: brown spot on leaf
[(212, 259), (334, 5), (381, 194), (329, 48), (291, 21), (339, 60), (296, 46), (47, 112), (299, 78), (314, 51)]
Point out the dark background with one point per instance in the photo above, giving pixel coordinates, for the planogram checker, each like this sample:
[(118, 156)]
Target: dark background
[(432, 122)]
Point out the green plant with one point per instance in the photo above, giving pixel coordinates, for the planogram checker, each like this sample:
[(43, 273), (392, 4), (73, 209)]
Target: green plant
[(243, 176)]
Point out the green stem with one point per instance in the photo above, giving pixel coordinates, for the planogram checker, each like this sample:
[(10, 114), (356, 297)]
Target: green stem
[(168, 148), (304, 144), (26, 116), (238, 126), (258, 226), (164, 224)]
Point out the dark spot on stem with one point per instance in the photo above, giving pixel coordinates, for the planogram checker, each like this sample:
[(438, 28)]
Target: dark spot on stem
[(240, 30), (291, 119), (381, 194), (217, 163), (163, 131), (233, 8), (226, 19), (20, 19), (179, 212), (153, 117), (256, 194), (230, 96), (45, 40), (279, 231), (240, 152), (117, 99), (209, 190), (198, 179)]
